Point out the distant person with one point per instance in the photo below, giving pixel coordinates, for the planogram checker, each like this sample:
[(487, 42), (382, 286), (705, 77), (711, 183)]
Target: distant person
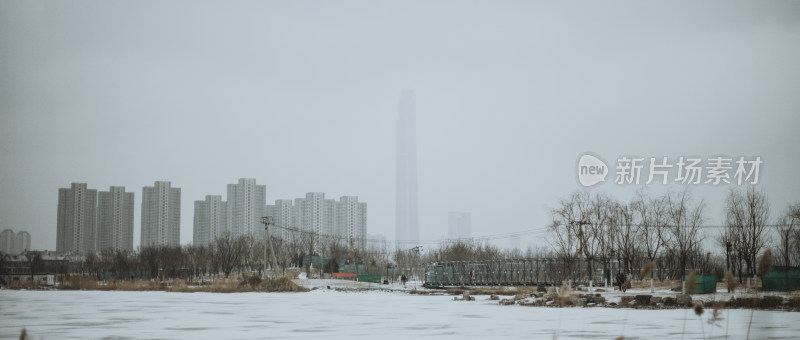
[(403, 279)]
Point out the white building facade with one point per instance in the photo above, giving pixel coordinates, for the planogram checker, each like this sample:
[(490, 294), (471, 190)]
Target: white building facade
[(282, 213), (352, 221), (210, 219), (246, 206), (22, 242), (76, 225), (7, 239), (161, 215), (115, 219)]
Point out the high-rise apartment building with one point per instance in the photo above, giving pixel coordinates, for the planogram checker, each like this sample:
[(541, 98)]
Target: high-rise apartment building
[(283, 215), (76, 225), (161, 215), (246, 205), (7, 240), (14, 244), (115, 219), (210, 219), (22, 242), (352, 221)]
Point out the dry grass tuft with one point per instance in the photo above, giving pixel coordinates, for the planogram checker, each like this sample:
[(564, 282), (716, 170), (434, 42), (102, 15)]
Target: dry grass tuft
[(223, 286), (179, 285), (138, 285), (281, 284), (648, 269), (23, 335), (253, 281), (716, 314), (691, 282), (698, 308), (502, 290), (29, 285), (80, 282), (454, 291), (765, 262), (731, 281)]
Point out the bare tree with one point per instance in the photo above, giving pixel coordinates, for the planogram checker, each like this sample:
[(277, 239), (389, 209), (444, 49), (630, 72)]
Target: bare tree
[(150, 260), (626, 235), (746, 218), (227, 252), (789, 232), (651, 218), (684, 218), (582, 222)]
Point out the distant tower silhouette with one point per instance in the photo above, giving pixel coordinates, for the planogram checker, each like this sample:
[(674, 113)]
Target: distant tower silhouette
[(406, 211)]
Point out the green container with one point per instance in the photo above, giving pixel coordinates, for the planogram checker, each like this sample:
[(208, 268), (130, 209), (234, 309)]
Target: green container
[(704, 283), (369, 278), (781, 279)]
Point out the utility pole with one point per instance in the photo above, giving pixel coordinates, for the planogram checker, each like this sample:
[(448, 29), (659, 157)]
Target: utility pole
[(267, 220), (310, 253)]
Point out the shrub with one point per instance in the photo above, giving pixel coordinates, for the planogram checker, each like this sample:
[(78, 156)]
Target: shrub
[(765, 262), (282, 284), (691, 282), (455, 291), (731, 281), (647, 269)]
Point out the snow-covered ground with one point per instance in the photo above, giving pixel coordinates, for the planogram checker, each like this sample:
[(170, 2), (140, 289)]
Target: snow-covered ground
[(332, 314)]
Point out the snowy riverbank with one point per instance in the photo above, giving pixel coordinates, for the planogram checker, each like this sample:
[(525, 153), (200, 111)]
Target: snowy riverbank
[(349, 315)]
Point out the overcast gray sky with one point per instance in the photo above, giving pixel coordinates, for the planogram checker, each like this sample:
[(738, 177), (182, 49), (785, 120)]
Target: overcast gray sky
[(302, 95)]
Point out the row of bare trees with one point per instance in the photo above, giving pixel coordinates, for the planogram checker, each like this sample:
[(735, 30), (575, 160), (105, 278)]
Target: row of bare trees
[(600, 230), (669, 231), (227, 254)]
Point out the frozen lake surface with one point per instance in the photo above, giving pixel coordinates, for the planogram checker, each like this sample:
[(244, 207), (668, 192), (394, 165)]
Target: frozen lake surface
[(351, 315)]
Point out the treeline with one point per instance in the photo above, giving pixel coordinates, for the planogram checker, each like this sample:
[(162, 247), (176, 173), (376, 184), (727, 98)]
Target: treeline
[(228, 254), (669, 231)]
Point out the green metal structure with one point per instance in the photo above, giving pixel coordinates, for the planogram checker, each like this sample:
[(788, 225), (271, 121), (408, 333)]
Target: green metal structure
[(781, 279), (704, 283), (510, 272)]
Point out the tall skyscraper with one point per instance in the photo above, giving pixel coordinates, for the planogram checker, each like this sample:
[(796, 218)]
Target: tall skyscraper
[(352, 221), (7, 240), (459, 225), (406, 210), (210, 219), (115, 219), (161, 215), (246, 204), (22, 242), (76, 226)]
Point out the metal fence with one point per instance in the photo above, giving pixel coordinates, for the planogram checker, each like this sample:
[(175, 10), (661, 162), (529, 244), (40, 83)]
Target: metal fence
[(512, 272)]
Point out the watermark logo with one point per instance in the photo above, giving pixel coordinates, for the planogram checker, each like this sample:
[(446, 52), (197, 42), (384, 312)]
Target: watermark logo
[(713, 170), (591, 170)]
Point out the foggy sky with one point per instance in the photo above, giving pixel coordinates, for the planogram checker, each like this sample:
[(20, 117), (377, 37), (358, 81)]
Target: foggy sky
[(302, 96)]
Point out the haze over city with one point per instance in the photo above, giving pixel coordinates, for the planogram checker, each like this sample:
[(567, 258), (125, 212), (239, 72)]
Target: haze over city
[(305, 98)]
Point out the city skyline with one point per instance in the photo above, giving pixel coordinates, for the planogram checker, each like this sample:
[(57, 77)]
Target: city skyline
[(91, 220), (507, 97)]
